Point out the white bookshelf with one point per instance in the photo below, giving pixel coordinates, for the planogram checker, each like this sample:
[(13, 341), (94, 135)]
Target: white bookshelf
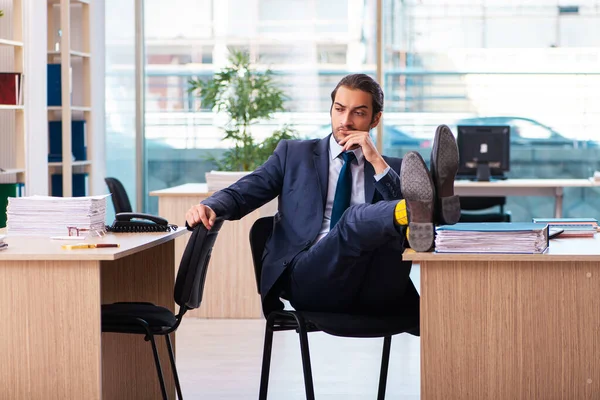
[(71, 49), (9, 107), (12, 117), (13, 43)]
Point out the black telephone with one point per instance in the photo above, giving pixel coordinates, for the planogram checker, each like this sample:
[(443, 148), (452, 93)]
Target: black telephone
[(135, 222)]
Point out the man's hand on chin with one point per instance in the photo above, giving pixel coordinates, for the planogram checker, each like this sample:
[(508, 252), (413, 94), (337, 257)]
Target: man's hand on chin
[(363, 140)]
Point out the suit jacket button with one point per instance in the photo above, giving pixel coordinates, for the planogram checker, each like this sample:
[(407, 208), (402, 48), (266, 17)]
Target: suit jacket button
[(285, 262)]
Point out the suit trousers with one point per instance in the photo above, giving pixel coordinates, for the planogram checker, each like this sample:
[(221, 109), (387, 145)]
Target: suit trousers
[(356, 268)]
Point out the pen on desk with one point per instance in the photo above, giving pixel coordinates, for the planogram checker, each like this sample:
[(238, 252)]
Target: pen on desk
[(89, 246)]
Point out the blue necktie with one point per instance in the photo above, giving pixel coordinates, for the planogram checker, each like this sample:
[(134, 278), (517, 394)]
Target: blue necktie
[(343, 190)]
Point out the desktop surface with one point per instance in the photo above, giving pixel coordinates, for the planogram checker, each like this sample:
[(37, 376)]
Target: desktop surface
[(521, 183), (560, 249), (44, 248)]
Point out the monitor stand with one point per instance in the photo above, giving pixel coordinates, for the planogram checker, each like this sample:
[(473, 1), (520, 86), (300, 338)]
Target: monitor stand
[(483, 172)]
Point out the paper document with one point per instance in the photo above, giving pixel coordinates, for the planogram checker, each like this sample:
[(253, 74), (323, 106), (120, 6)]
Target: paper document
[(52, 216), (501, 237)]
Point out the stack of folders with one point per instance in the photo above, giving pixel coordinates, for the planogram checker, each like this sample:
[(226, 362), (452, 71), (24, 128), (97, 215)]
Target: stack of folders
[(3, 244), (53, 216), (500, 237), (572, 227)]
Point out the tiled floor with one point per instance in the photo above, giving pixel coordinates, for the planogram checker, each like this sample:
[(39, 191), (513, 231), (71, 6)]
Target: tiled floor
[(221, 360)]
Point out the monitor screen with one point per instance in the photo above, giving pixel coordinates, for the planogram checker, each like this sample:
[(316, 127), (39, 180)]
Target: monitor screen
[(483, 150)]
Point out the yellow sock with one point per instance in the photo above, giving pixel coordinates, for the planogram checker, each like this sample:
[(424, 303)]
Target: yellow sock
[(400, 213)]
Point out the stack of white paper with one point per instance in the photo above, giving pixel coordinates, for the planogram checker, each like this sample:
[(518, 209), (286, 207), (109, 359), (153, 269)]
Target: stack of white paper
[(51, 216), (492, 238), (217, 180)]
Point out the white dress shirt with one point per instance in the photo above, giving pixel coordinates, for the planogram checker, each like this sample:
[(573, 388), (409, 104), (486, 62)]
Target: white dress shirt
[(358, 181)]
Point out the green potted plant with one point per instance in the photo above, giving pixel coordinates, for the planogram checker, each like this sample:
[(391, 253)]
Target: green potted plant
[(247, 96)]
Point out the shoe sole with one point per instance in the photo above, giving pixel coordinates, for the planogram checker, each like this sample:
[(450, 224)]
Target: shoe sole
[(445, 152), (419, 193)]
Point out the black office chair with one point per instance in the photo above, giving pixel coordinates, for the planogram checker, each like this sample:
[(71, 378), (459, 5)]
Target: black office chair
[(149, 319), (480, 209), (119, 196), (344, 325)]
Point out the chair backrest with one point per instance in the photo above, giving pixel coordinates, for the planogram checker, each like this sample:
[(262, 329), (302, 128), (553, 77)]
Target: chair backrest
[(119, 196), (481, 203), (189, 284), (259, 234)]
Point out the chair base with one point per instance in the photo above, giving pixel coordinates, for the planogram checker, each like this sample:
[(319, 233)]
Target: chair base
[(292, 320)]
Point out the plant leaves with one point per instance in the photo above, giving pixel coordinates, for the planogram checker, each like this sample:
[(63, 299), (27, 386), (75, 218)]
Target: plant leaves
[(247, 96)]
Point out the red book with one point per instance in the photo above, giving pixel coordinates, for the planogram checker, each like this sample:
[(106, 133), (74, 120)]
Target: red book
[(10, 88)]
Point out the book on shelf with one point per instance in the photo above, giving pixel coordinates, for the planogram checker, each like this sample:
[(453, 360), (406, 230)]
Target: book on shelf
[(54, 76), (11, 88), (78, 141), (572, 227), (492, 237), (80, 185), (8, 190)]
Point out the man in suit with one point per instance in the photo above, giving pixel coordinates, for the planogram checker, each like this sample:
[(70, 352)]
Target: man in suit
[(344, 210)]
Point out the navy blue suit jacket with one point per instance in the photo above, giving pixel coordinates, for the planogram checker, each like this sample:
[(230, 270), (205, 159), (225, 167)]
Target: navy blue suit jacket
[(297, 172)]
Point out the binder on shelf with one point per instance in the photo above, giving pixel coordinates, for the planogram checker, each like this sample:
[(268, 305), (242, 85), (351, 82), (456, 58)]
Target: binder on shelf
[(54, 85), (492, 237), (80, 185), (78, 141), (11, 88), (8, 190)]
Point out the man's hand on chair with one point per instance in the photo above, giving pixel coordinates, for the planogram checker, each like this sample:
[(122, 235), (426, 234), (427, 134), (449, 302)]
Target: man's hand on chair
[(200, 213)]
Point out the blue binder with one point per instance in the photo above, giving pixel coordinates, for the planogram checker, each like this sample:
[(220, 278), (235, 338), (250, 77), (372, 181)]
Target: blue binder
[(54, 85), (493, 227), (80, 185), (78, 141), (491, 237)]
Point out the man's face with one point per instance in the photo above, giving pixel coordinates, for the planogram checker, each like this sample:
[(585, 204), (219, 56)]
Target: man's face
[(352, 110)]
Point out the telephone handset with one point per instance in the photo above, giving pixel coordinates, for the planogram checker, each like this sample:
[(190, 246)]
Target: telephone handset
[(136, 222)]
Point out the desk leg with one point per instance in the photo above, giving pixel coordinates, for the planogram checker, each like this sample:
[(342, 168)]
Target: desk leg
[(128, 370), (510, 330), (558, 204), (50, 346)]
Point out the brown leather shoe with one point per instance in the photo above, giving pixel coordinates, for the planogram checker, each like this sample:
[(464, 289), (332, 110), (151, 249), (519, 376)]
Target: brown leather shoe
[(419, 193), (444, 166)]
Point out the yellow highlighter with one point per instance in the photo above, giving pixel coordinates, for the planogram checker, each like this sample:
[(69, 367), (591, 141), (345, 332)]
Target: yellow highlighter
[(88, 246)]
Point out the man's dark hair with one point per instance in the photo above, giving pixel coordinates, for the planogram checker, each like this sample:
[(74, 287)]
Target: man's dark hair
[(366, 84)]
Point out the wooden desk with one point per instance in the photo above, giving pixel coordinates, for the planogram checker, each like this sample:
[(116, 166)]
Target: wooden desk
[(52, 346), (230, 287), (230, 290), (497, 326), (523, 187)]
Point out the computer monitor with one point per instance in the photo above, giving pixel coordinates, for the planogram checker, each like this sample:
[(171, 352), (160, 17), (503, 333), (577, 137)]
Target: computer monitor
[(483, 150)]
